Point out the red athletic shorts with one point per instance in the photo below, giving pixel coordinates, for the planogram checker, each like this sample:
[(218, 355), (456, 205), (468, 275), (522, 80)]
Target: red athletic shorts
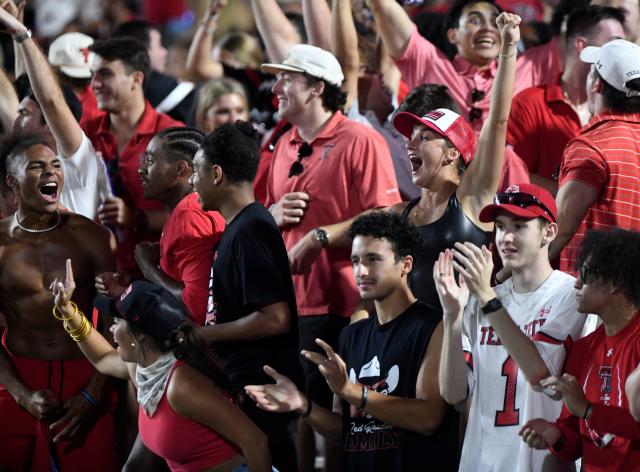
[(26, 443)]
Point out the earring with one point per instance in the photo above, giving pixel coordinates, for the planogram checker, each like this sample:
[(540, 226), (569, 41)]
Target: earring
[(133, 345)]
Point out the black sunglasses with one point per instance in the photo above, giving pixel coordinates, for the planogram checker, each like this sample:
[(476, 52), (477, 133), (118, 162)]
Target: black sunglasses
[(585, 271), (523, 200), (296, 168), (475, 113)]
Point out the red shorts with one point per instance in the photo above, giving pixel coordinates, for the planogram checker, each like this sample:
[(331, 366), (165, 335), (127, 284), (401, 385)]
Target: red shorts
[(26, 443)]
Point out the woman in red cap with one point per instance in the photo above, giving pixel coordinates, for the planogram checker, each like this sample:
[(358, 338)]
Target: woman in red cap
[(185, 415), (457, 175)]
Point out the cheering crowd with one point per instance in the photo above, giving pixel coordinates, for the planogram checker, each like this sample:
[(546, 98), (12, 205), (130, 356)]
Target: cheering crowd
[(356, 235)]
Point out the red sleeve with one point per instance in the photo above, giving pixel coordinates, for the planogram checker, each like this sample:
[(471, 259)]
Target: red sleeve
[(583, 163), (570, 426), (374, 179), (193, 240), (422, 63), (614, 420), (522, 133)]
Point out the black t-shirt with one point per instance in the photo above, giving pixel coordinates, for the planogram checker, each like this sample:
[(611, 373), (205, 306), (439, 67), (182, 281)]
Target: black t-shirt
[(387, 359), (251, 270)]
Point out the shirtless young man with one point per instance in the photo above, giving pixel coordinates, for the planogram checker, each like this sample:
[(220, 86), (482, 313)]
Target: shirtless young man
[(54, 407)]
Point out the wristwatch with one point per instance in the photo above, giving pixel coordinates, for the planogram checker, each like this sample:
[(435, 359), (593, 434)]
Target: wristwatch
[(492, 305), (321, 236)]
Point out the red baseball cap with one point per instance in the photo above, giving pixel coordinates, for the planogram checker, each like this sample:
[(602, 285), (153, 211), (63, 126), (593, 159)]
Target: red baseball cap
[(524, 201), (444, 122)]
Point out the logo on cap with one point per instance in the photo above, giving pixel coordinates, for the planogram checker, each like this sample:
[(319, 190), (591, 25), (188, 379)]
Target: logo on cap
[(434, 115), (513, 189)]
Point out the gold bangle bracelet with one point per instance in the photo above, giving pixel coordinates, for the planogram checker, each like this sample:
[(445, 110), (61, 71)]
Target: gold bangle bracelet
[(62, 317)]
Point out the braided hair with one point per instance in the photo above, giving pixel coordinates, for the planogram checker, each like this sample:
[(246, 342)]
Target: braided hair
[(181, 143)]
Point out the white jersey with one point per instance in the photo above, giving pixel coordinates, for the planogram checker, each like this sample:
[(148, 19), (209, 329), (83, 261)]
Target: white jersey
[(86, 184), (502, 399)]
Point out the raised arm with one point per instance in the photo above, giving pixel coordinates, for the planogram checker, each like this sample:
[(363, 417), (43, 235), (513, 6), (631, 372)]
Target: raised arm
[(480, 182), (345, 47), (452, 375), (44, 83), (9, 103), (92, 344), (274, 27), (393, 23), (476, 266), (200, 63), (317, 22)]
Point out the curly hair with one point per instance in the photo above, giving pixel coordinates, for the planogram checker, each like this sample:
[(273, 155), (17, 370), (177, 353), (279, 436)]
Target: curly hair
[(234, 147), (404, 237), (614, 257)]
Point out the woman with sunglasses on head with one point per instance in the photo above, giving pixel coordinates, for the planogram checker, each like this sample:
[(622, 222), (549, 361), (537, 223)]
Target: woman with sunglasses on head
[(186, 414)]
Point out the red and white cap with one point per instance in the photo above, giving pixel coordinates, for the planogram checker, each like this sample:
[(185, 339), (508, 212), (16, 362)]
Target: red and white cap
[(70, 52), (523, 201), (444, 122)]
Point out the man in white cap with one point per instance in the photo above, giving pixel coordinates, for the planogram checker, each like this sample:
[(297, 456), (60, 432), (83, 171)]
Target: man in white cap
[(326, 169), (70, 57), (599, 174)]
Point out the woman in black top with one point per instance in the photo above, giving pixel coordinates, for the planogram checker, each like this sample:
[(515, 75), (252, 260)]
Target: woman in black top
[(457, 176)]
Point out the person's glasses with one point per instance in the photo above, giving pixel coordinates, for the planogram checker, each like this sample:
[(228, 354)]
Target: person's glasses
[(523, 200), (475, 113), (584, 273), (296, 168)]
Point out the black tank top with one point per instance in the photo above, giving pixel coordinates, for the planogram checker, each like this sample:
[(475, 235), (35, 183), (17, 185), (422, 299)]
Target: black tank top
[(386, 358), (452, 227)]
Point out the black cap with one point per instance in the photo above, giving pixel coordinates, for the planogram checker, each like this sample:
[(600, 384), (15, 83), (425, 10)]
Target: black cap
[(147, 306)]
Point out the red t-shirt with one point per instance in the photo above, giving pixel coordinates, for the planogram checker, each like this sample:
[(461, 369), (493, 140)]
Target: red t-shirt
[(540, 126), (604, 156), (188, 240), (423, 63), (601, 365), (98, 131), (349, 171)]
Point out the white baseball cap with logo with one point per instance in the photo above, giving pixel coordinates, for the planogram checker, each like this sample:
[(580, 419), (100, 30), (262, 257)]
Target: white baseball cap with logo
[(70, 53), (617, 62), (311, 60)]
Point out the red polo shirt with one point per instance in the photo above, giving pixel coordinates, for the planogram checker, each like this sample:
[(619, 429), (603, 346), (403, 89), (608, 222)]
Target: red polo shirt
[(604, 156), (348, 172), (104, 142), (541, 124)]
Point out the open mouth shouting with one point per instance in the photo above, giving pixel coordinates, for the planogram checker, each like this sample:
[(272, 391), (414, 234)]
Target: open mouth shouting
[(416, 163), (49, 192)]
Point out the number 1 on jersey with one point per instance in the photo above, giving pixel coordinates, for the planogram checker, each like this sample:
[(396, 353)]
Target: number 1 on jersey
[(509, 415)]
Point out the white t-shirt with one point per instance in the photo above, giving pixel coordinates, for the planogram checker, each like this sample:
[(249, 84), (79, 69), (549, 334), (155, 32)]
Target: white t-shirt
[(502, 399), (86, 184)]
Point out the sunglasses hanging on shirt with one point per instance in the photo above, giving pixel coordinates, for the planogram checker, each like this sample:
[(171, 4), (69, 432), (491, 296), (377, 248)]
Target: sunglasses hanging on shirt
[(296, 168)]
